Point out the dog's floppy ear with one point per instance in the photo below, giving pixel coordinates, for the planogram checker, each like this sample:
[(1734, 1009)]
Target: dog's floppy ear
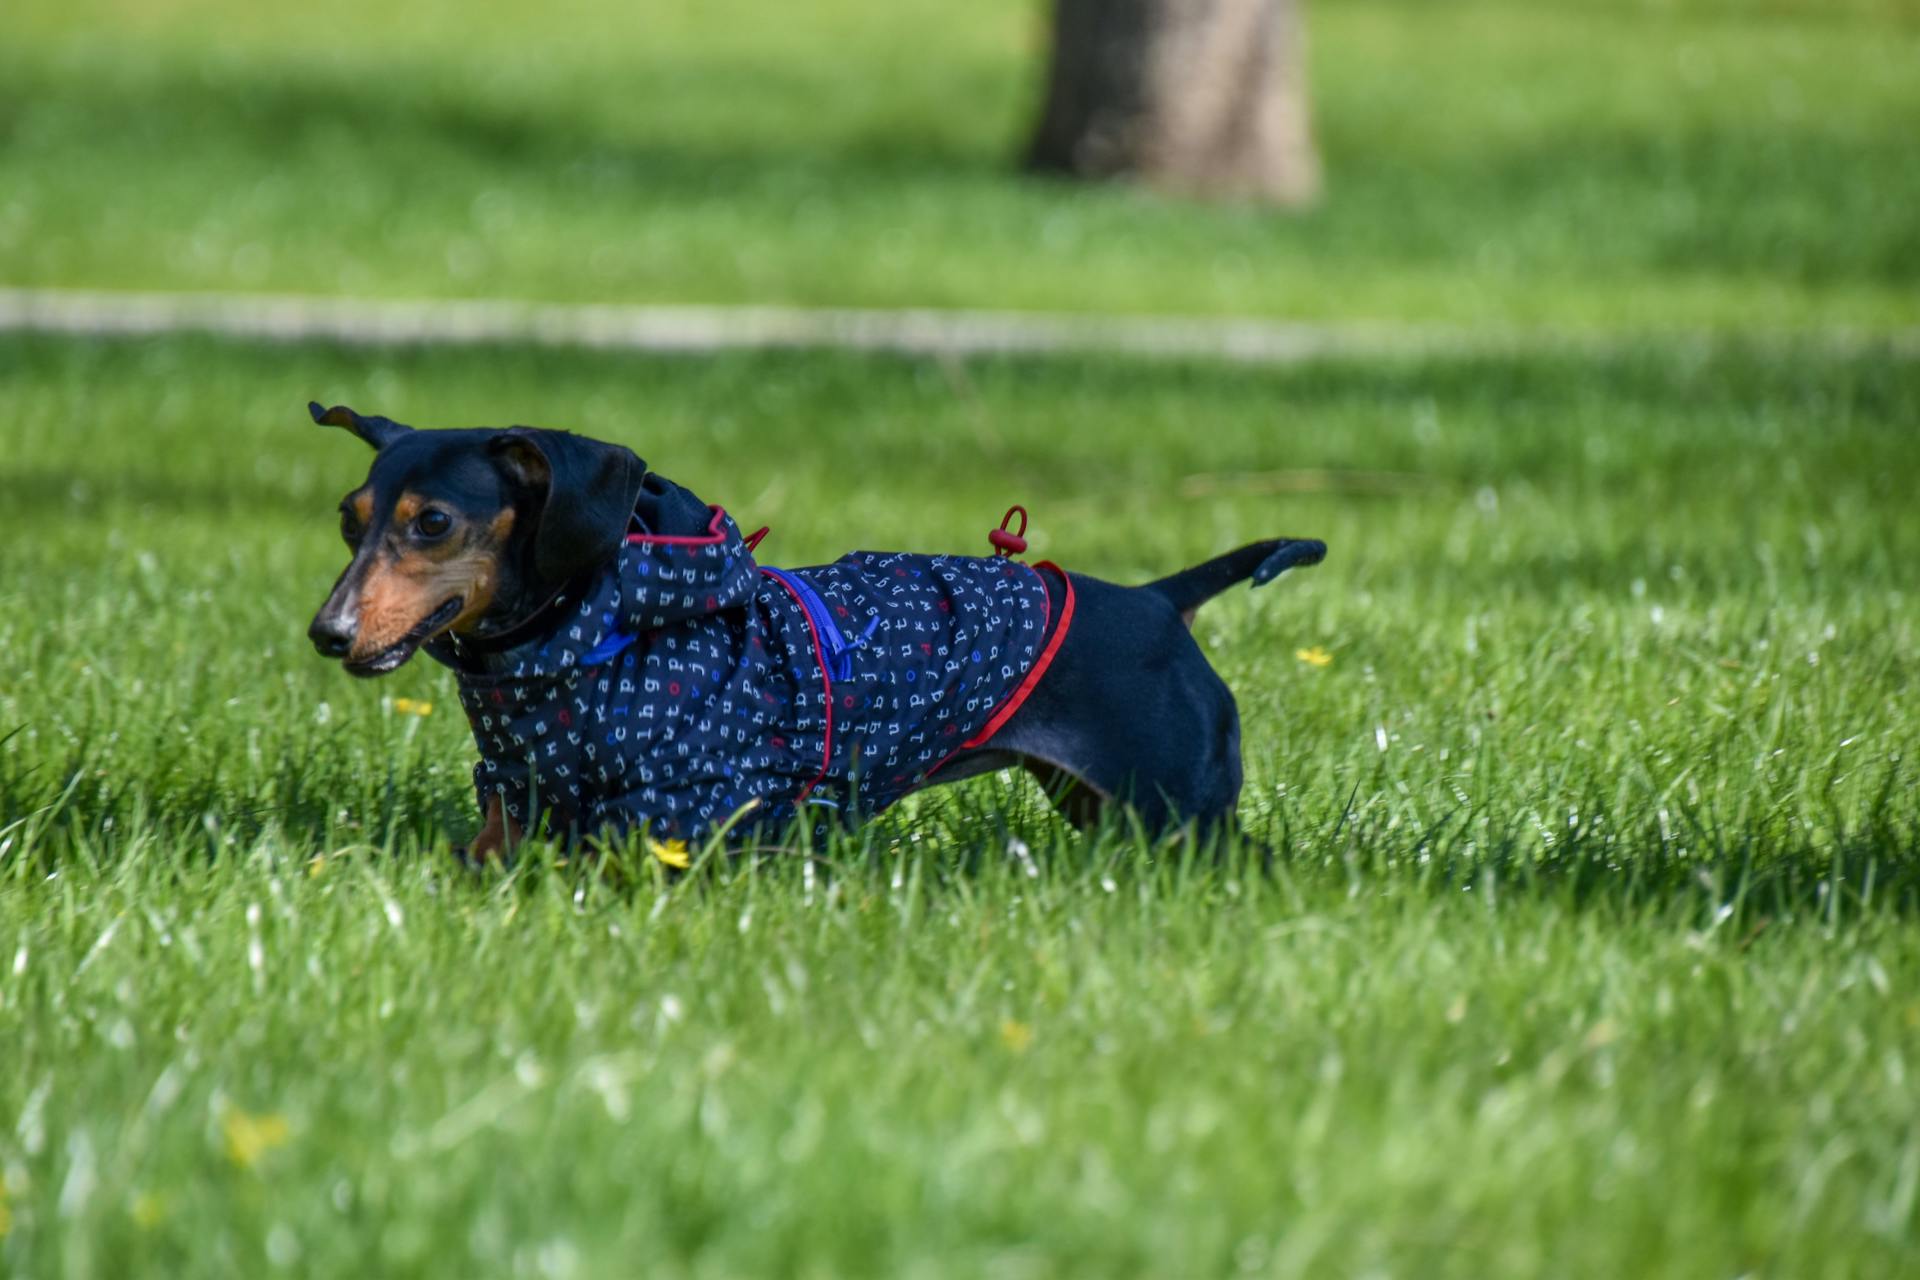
[(587, 490), (378, 432)]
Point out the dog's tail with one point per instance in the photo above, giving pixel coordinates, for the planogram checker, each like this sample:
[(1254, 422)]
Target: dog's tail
[(1188, 589)]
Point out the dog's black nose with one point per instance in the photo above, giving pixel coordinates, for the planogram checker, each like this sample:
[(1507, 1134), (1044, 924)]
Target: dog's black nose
[(330, 636)]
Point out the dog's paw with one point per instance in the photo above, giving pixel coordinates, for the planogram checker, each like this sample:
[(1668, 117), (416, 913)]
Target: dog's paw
[(472, 858)]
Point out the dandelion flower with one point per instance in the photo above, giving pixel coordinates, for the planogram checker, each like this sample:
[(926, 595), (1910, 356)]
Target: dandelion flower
[(250, 1137), (671, 852), (412, 707), (1314, 657)]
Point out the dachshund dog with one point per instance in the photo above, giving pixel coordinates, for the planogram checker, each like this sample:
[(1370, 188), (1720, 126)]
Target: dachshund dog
[(627, 666)]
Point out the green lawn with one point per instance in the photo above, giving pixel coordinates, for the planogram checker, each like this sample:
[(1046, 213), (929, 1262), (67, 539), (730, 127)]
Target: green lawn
[(1589, 948), (1583, 164), (1590, 944)]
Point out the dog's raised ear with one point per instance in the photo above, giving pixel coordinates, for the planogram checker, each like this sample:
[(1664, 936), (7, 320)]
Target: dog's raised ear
[(587, 490), (378, 432)]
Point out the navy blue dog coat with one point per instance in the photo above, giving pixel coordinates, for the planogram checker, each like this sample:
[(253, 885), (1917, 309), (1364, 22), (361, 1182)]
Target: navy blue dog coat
[(688, 683)]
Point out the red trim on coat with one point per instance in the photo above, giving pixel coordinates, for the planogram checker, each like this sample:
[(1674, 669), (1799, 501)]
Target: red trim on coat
[(713, 534), (1040, 665), (826, 684)]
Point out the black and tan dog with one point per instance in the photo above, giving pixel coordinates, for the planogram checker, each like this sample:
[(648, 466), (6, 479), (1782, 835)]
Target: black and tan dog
[(626, 664)]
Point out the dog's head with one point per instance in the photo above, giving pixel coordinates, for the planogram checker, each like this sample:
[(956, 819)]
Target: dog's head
[(466, 531)]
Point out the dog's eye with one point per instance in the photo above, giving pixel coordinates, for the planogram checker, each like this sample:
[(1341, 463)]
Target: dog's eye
[(432, 523)]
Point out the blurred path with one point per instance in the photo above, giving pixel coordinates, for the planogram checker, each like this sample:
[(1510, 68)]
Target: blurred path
[(701, 329)]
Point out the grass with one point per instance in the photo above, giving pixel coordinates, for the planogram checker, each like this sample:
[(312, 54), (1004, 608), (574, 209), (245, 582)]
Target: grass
[(1588, 944), (1592, 166), (1588, 948)]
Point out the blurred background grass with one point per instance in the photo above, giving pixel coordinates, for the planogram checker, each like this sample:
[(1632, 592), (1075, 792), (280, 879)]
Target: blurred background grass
[(1576, 163)]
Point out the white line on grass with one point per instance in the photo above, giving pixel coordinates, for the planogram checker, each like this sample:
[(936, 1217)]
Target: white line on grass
[(701, 329)]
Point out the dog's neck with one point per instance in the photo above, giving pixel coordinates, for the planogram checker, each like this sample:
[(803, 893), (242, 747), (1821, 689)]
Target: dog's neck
[(653, 581), (542, 622)]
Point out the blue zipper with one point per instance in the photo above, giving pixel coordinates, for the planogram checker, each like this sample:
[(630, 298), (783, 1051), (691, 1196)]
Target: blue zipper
[(611, 646), (836, 650)]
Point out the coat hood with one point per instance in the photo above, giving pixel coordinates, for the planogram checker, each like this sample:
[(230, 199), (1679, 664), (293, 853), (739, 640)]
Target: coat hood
[(656, 581)]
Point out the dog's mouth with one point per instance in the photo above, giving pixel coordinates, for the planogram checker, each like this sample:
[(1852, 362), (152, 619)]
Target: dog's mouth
[(396, 654)]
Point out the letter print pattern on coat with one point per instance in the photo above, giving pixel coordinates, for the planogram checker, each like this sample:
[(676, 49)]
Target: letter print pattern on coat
[(686, 684), (955, 635)]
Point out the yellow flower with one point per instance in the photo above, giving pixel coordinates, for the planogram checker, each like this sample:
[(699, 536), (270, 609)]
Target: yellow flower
[(1314, 657), (409, 707), (316, 865), (672, 852), (147, 1210), (1017, 1036), (249, 1137)]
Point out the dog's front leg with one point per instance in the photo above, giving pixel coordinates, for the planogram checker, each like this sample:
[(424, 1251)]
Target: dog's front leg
[(498, 835)]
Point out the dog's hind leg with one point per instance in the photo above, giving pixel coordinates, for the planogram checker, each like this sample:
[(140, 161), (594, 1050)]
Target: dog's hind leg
[(1073, 797)]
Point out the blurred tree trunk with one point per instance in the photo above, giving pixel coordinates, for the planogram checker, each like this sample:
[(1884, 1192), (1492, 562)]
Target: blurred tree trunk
[(1200, 96)]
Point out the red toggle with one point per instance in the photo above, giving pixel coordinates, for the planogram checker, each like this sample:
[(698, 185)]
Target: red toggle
[(753, 539), (1006, 542)]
